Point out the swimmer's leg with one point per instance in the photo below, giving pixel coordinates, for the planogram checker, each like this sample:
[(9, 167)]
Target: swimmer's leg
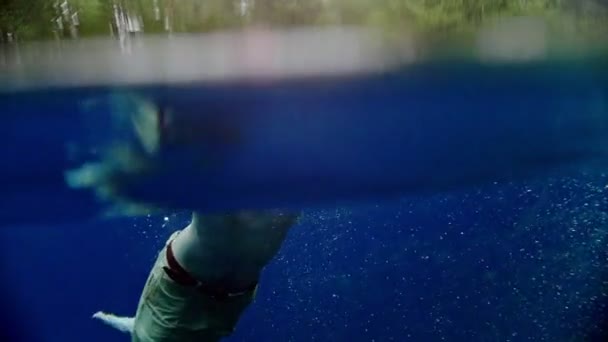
[(233, 247), (225, 255)]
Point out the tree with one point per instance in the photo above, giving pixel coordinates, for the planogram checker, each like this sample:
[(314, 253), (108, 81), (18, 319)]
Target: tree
[(43, 19)]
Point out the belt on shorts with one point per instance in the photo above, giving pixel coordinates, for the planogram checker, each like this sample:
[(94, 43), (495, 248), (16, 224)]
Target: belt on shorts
[(216, 291)]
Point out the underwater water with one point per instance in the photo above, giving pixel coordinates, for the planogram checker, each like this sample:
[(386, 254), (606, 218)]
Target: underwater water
[(469, 204), (523, 261), (305, 141)]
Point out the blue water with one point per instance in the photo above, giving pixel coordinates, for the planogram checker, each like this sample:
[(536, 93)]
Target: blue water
[(300, 142), (519, 261), (467, 259)]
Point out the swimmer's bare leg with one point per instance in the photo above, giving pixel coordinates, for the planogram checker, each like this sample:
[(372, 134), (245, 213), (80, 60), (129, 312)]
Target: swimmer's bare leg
[(232, 247)]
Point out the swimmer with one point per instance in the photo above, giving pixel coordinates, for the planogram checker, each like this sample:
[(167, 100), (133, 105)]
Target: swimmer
[(204, 277), (207, 273)]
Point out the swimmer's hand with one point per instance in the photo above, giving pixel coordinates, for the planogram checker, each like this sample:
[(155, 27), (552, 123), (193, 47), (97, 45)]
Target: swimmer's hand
[(109, 178), (154, 157), (124, 158)]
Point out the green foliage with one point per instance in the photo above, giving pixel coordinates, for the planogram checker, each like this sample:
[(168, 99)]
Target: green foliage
[(94, 16), (40, 19), (19, 17)]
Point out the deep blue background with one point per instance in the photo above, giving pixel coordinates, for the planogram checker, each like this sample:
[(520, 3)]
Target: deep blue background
[(503, 262), (519, 261), (310, 140)]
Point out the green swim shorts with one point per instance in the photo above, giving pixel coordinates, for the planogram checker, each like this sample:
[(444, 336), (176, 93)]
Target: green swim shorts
[(170, 312)]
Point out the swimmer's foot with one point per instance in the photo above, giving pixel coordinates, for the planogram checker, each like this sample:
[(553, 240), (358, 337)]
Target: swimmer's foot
[(124, 324)]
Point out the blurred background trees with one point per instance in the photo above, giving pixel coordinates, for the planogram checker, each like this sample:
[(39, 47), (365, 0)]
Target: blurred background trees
[(67, 19)]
